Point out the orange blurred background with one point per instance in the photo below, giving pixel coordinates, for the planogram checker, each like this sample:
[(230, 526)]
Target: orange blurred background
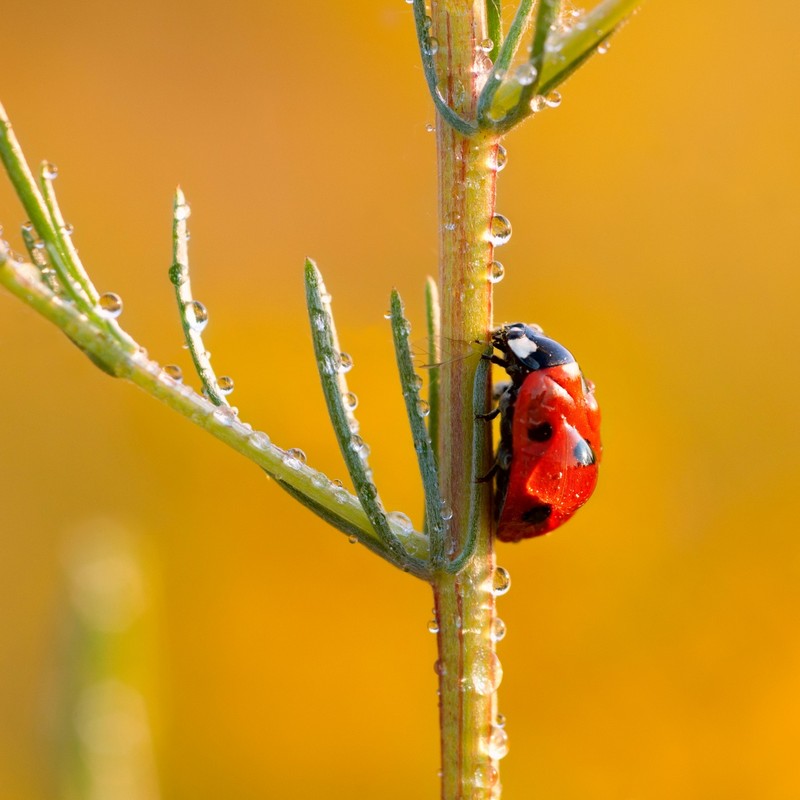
[(650, 651)]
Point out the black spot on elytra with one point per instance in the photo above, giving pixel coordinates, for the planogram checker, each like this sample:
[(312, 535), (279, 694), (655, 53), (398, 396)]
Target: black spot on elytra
[(538, 513), (584, 455), (541, 432)]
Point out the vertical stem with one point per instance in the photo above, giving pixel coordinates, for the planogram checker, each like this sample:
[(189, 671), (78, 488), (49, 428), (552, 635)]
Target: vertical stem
[(468, 668)]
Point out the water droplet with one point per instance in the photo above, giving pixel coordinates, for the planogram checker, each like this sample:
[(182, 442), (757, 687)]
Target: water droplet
[(538, 104), (38, 244), (433, 626), (350, 400), (498, 629), (400, 520), (423, 408), (183, 211), (501, 582), (500, 159), (525, 74), (341, 495), (496, 272), (431, 46), (49, 171), (430, 127), (499, 230), (345, 362), (447, 511), (196, 316), (487, 674), (439, 667), (225, 384), (294, 458), (387, 315), (485, 777), (427, 22), (225, 415), (109, 305), (353, 539), (259, 440), (500, 720), (497, 746), (603, 47), (174, 371), (552, 99), (499, 74), (27, 226), (487, 45), (416, 382), (67, 229)]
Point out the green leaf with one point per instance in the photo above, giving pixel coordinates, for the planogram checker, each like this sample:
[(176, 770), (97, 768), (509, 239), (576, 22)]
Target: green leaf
[(429, 68), (188, 308), (433, 317), (569, 50), (487, 108), (335, 390), (409, 380), (494, 26), (478, 491)]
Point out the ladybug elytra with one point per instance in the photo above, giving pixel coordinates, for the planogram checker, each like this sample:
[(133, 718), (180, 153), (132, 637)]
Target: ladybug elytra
[(546, 466)]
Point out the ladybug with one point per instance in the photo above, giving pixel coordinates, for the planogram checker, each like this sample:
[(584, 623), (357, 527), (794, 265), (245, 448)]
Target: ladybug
[(546, 466)]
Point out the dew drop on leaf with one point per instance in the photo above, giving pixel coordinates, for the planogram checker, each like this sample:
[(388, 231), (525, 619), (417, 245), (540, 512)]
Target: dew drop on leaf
[(196, 316), (174, 371), (109, 305)]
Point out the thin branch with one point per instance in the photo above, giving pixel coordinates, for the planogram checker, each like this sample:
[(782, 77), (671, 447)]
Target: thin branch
[(120, 359)]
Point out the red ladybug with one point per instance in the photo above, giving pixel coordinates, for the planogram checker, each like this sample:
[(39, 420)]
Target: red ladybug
[(546, 466)]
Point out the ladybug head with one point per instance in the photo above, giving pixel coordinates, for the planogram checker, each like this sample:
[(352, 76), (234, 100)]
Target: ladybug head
[(527, 348)]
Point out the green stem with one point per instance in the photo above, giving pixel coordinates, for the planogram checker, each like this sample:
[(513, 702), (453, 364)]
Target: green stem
[(467, 665)]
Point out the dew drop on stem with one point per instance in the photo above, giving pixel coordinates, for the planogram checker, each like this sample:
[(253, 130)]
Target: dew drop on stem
[(501, 582), (225, 384), (497, 745), (496, 272), (499, 230)]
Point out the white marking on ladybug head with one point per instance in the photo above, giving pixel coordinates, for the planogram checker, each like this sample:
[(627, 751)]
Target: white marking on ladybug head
[(522, 347)]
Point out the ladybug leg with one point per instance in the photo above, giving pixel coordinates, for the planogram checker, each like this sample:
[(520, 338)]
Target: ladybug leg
[(499, 389), (489, 475), (489, 415)]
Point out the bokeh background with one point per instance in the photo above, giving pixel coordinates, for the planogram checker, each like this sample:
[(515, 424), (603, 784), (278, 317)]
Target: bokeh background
[(249, 652)]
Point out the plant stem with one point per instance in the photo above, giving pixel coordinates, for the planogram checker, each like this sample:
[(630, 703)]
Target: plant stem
[(467, 666)]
